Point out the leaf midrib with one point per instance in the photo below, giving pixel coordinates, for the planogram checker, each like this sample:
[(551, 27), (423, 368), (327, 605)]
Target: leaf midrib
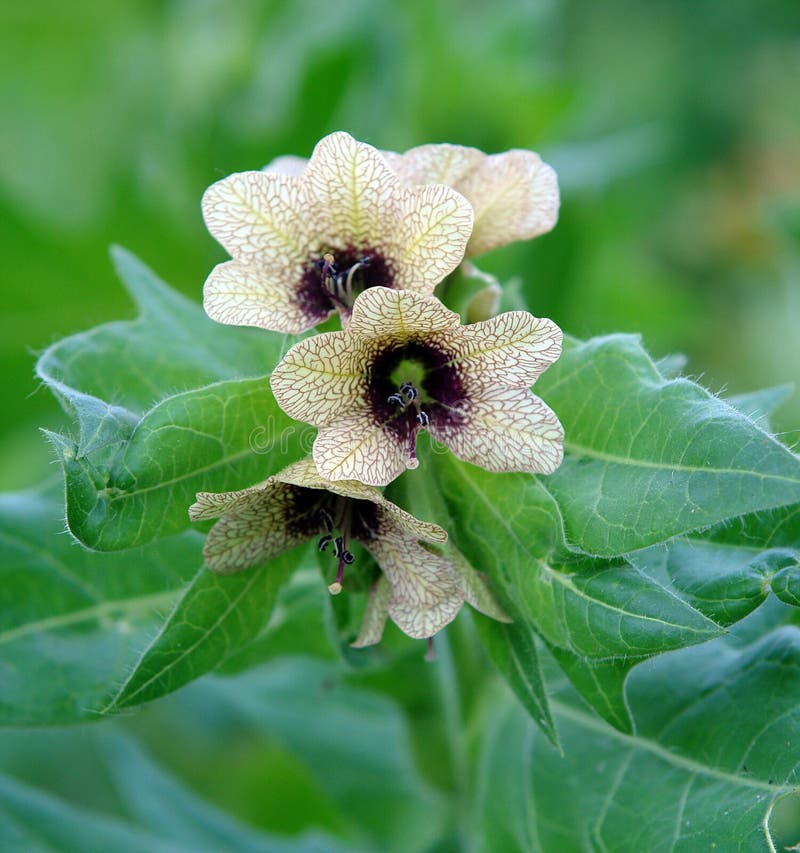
[(580, 450), (640, 743), (87, 614)]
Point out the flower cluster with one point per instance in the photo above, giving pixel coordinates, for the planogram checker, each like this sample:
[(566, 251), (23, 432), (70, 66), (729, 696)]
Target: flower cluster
[(369, 235)]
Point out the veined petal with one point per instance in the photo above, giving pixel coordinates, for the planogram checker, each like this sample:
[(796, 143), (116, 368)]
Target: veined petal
[(435, 164), (354, 196), (254, 527), (512, 349), (321, 378), (426, 591), (259, 216), (505, 429), (304, 473), (431, 237), (355, 448), (384, 313), (287, 164), (476, 589), (213, 504), (251, 294), (375, 615), (515, 197), (407, 525)]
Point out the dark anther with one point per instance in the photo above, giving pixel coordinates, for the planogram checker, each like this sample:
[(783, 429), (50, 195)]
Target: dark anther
[(338, 546), (423, 419), (396, 399), (323, 542), (409, 390), (347, 557)]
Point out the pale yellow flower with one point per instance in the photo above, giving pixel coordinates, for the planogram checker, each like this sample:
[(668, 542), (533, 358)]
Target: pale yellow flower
[(405, 363), (421, 591), (514, 194), (304, 244)]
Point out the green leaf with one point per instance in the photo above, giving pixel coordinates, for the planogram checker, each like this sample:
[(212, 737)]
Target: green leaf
[(649, 458), (724, 581), (134, 468), (598, 612), (172, 346), (72, 622), (601, 683), (512, 649), (215, 617), (760, 405), (712, 765), (83, 634)]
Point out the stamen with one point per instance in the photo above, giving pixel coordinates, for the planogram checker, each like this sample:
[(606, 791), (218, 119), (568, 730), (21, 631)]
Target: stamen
[(326, 518), (349, 284), (430, 654), (336, 587), (406, 394), (412, 461), (338, 547), (340, 284), (409, 390), (339, 516), (422, 418)]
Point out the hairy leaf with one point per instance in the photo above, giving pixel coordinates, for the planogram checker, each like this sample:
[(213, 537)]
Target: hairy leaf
[(148, 437), (215, 617), (648, 458), (598, 612), (82, 634), (712, 765)]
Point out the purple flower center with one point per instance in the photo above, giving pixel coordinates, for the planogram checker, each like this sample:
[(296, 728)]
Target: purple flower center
[(311, 511), (415, 384), (332, 281)]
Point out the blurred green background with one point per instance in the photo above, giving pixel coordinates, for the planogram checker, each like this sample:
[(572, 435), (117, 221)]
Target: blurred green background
[(674, 125)]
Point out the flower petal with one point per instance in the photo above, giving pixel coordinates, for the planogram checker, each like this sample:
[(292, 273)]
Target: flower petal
[(260, 216), (431, 238), (242, 294), (355, 448), (515, 197), (426, 591), (353, 195), (321, 379), (254, 526), (512, 349), (304, 473), (476, 588), (287, 164), (385, 314), (505, 429), (375, 615), (435, 164), (213, 504), (408, 525)]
